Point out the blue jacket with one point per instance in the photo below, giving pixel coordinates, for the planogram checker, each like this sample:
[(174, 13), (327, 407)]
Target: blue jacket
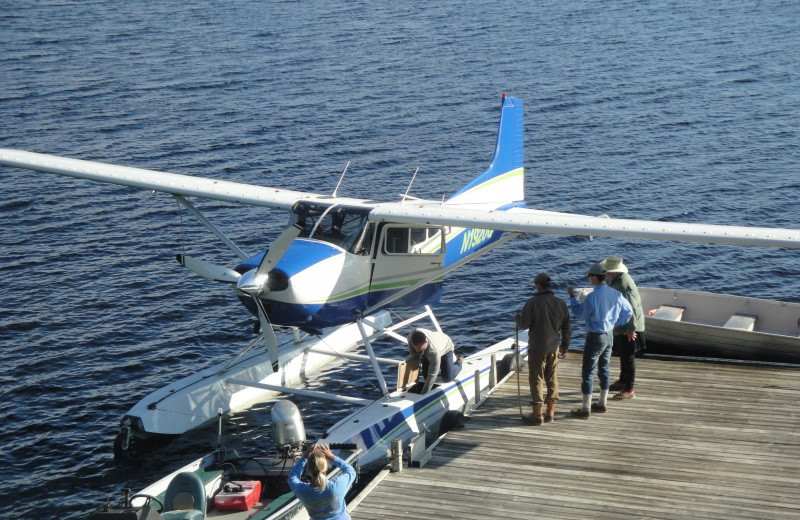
[(328, 503)]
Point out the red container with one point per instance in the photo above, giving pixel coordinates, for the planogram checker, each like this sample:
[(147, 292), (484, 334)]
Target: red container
[(238, 495)]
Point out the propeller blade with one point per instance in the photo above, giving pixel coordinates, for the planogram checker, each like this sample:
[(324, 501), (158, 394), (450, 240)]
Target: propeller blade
[(254, 282), (216, 273), (269, 334), (277, 248)]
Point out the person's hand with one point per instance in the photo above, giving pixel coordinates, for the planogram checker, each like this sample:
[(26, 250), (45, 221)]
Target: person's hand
[(325, 450), (570, 291), (631, 336), (562, 353)]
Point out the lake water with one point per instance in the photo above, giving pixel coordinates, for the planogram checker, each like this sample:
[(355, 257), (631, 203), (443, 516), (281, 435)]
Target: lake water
[(675, 111)]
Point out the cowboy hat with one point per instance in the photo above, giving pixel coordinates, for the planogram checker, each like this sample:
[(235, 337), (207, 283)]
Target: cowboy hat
[(613, 264)]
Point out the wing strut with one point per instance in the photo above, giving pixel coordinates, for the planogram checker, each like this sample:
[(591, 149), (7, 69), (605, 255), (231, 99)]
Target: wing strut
[(210, 225)]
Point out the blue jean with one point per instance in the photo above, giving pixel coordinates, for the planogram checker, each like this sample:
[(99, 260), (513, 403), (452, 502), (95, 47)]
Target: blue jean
[(448, 367), (596, 355)]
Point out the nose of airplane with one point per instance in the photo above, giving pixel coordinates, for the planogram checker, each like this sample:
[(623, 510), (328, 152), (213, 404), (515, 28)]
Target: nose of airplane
[(252, 283)]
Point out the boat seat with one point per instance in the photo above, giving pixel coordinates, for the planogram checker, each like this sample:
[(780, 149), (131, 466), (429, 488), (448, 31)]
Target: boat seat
[(741, 322), (185, 498), (668, 312)]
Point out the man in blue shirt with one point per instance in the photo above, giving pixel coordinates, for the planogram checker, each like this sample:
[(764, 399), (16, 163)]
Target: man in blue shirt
[(602, 310)]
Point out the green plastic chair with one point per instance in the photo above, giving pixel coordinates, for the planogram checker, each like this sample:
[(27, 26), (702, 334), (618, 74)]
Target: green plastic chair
[(185, 498)]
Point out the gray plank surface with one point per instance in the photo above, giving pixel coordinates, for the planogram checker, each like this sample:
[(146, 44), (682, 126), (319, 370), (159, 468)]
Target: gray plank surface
[(700, 440)]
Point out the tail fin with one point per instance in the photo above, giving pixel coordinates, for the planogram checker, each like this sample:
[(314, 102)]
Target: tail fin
[(503, 182)]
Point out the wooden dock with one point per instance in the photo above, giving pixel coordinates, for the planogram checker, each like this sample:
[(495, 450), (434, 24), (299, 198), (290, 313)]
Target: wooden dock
[(701, 440)]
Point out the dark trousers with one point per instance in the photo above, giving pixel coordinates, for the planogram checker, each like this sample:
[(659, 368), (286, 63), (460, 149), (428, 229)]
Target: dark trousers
[(448, 367), (627, 357)]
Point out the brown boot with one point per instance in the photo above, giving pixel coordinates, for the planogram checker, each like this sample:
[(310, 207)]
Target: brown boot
[(535, 418), (549, 416)]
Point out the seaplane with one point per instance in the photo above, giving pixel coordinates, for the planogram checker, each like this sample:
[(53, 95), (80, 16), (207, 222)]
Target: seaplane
[(341, 263)]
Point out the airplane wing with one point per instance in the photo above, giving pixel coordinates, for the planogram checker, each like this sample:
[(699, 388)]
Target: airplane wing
[(418, 212), (534, 221), (173, 183)]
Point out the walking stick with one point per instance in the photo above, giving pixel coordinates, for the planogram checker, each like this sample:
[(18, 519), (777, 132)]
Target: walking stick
[(516, 347)]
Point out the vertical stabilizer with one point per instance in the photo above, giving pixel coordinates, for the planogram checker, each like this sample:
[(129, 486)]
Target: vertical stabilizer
[(503, 182)]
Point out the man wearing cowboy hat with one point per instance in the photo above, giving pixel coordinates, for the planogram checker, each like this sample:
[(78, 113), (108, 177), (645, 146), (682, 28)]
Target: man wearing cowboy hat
[(629, 338), (603, 309)]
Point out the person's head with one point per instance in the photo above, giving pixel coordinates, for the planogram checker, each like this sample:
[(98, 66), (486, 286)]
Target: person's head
[(318, 467), (614, 266), (419, 341), (542, 282), (597, 274)]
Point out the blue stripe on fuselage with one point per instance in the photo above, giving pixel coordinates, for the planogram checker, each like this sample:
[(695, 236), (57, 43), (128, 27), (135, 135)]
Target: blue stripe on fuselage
[(471, 240)]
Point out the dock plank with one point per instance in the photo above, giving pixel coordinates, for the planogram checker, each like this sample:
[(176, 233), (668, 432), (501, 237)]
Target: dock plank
[(701, 440)]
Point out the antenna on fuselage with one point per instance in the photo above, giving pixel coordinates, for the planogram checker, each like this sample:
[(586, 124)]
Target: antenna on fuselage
[(405, 195), (336, 189)]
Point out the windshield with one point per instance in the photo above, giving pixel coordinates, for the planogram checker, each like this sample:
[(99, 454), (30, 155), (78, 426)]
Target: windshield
[(338, 225)]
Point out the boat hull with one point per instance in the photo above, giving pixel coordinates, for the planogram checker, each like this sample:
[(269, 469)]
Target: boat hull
[(702, 330)]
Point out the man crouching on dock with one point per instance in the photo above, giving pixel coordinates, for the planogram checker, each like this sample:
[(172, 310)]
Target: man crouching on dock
[(546, 318), (437, 351)]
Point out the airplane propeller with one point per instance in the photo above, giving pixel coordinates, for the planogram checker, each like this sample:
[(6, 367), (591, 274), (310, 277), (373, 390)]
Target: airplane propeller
[(254, 282)]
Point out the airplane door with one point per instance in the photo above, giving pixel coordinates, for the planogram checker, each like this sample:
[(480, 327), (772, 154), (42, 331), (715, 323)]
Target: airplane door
[(404, 256)]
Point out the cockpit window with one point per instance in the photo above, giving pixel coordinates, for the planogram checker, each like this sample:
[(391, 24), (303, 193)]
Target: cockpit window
[(341, 226)]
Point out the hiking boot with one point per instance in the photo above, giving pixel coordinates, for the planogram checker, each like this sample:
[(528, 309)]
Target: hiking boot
[(549, 415), (599, 408), (535, 418), (617, 385), (630, 394), (580, 413)]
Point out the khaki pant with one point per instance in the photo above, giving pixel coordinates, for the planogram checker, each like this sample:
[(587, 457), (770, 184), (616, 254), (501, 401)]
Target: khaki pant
[(543, 370)]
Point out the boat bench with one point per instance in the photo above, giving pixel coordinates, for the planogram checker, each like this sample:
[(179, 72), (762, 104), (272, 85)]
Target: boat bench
[(669, 313), (741, 322)]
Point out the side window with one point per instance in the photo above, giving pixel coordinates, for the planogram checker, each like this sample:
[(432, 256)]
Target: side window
[(404, 240), (396, 240)]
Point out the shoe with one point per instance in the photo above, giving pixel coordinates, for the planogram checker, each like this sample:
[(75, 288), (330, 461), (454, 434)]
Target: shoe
[(549, 415), (535, 420), (599, 408), (617, 385), (630, 394), (580, 413)]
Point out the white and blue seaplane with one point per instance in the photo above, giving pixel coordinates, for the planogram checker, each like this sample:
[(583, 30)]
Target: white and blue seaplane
[(339, 265)]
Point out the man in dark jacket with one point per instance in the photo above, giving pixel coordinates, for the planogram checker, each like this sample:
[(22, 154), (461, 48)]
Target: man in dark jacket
[(628, 339), (547, 320)]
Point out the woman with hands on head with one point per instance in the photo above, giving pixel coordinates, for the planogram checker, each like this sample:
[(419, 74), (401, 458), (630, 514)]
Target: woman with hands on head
[(323, 499)]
